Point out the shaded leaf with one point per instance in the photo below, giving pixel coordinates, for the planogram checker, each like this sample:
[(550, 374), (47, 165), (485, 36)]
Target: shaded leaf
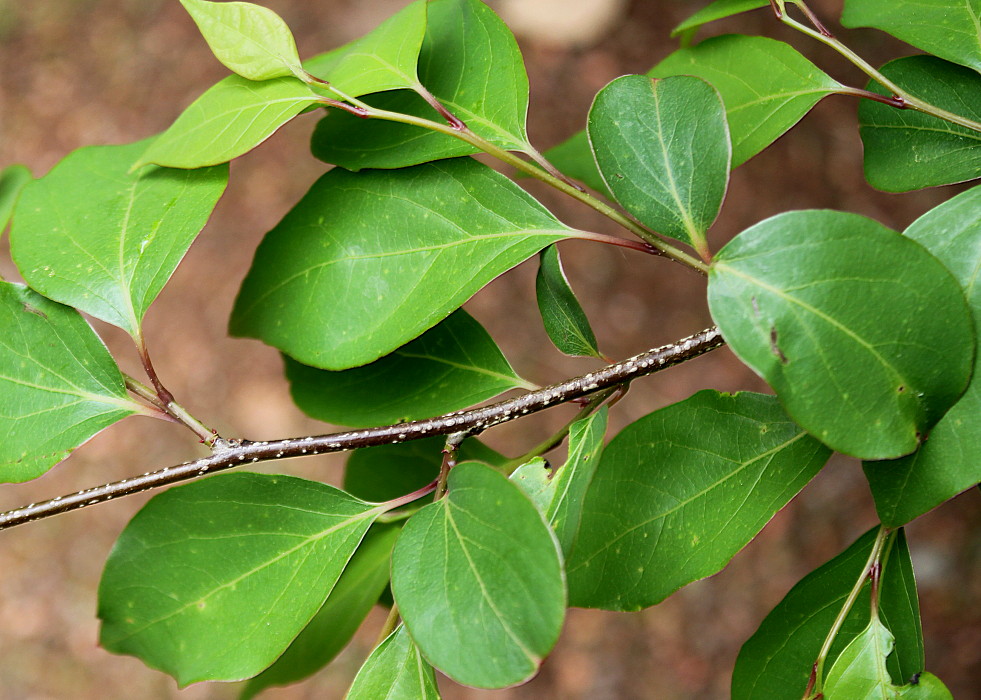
[(12, 181), (774, 664), (662, 147), (248, 39), (386, 472), (395, 671), (451, 366), (383, 59), (478, 581), (680, 491), (574, 158), (471, 63), (868, 379), (565, 321), (222, 555), (948, 462), (350, 601), (908, 150), (231, 118), (766, 85), (59, 385), (720, 9), (95, 236), (950, 30), (366, 262)]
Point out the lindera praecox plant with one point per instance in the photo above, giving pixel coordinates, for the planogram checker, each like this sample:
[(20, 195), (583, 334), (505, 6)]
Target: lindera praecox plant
[(360, 285)]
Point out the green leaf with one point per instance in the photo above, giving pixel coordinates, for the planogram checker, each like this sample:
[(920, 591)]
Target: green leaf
[(662, 147), (471, 63), (908, 150), (395, 671), (720, 9), (243, 557), (386, 472), (248, 39), (59, 385), (95, 236), (451, 366), (356, 592), (864, 336), (574, 158), (231, 118), (366, 262), (478, 580), (565, 321), (950, 30), (775, 662), (766, 85), (12, 181), (680, 491), (948, 462), (860, 672), (383, 59)]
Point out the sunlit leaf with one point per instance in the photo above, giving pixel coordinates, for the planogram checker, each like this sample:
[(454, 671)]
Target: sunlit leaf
[(950, 30), (395, 671), (680, 491), (58, 384), (248, 39), (243, 557), (478, 581), (366, 262), (948, 462), (453, 365), (471, 63), (356, 592), (842, 317), (105, 240), (229, 119), (565, 321), (908, 150)]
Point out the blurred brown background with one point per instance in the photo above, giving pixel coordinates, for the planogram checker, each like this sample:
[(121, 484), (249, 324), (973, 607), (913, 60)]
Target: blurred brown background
[(79, 72)]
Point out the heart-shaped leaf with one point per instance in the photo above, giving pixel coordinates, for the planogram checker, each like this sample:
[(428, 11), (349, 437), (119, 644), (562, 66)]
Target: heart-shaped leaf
[(775, 662), (366, 262), (105, 240), (356, 592), (250, 40), (565, 321), (950, 30), (395, 671), (948, 462), (662, 147), (222, 555), (646, 531), (59, 385), (908, 150), (478, 580), (471, 63), (864, 336), (453, 365)]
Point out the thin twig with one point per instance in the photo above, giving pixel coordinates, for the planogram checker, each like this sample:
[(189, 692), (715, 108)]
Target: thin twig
[(235, 453)]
